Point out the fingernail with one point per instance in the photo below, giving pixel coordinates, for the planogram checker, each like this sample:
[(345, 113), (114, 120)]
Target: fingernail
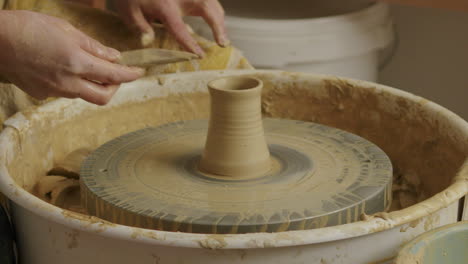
[(224, 41), (147, 38)]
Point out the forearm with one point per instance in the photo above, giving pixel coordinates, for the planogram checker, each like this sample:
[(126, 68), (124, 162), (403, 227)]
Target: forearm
[(461, 5)]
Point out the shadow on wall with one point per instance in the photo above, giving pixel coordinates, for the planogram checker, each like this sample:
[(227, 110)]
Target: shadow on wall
[(432, 60)]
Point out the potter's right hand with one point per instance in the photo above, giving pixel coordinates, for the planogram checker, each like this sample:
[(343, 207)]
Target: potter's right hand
[(47, 57)]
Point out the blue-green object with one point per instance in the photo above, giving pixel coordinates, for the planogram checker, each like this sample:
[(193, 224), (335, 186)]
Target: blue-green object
[(447, 244), (7, 253)]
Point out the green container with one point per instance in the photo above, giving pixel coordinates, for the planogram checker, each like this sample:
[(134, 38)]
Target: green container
[(447, 244)]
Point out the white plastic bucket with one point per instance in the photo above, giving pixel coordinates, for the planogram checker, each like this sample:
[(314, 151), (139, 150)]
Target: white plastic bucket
[(347, 44)]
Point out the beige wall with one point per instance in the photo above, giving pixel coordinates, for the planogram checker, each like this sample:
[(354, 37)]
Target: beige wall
[(432, 60)]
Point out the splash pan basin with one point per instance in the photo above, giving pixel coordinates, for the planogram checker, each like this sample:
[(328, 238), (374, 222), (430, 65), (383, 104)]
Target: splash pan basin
[(427, 145)]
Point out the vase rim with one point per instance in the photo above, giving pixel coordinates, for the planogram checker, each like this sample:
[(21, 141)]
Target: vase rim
[(236, 84)]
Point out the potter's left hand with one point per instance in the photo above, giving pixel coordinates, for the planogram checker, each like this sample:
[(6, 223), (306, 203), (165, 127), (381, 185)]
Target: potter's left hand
[(139, 14)]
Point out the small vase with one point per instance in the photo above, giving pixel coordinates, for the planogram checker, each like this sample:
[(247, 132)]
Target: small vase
[(235, 144)]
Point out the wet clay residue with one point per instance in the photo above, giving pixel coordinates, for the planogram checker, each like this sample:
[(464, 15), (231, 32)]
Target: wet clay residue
[(406, 189), (425, 154), (61, 186)]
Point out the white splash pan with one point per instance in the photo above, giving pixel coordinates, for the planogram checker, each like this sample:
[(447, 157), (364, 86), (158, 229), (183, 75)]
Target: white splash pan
[(48, 234)]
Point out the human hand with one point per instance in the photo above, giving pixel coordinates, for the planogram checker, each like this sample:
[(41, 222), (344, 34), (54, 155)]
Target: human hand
[(47, 57), (139, 14)]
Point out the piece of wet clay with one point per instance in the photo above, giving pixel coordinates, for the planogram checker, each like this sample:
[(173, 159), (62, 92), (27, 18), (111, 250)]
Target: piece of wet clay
[(69, 167)]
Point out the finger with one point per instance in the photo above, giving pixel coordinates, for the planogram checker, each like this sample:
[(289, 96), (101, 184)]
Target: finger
[(177, 27), (93, 92), (107, 72), (213, 13), (96, 48), (134, 17)]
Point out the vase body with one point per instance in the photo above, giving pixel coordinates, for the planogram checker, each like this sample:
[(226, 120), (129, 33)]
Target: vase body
[(235, 144)]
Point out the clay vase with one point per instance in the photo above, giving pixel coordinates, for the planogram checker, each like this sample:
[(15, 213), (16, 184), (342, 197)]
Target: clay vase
[(235, 144)]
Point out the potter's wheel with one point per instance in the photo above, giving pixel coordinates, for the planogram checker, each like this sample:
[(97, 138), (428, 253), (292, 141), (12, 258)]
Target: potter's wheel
[(319, 176)]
